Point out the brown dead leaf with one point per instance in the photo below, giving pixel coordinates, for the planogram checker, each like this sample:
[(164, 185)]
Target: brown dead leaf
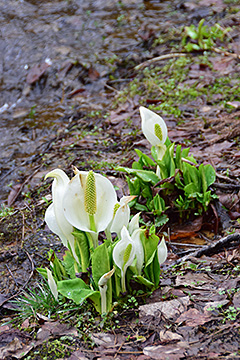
[(167, 336), (93, 74), (78, 355), (16, 189), (168, 309), (193, 317), (170, 352), (187, 230), (36, 72), (51, 329)]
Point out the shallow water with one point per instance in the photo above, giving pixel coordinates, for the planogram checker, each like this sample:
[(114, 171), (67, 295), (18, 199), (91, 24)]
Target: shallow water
[(63, 40)]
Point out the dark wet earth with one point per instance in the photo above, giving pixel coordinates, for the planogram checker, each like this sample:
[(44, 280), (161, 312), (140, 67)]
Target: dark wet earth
[(57, 56)]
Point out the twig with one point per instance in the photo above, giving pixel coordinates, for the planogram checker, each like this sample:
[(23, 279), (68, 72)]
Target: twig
[(24, 285), (230, 240), (158, 58), (227, 186), (226, 53), (10, 272)]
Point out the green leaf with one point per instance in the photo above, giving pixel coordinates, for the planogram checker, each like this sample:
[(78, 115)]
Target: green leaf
[(190, 190), (178, 157), (82, 248), (101, 266), (150, 243), (78, 291), (134, 186), (208, 175), (196, 179), (142, 280), (70, 264), (145, 175), (58, 269), (42, 272), (146, 160)]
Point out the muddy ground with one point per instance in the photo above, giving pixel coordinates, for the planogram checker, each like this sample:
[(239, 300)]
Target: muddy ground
[(71, 90)]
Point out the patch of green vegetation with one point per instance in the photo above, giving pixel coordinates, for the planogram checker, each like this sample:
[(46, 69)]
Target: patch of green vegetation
[(171, 86), (229, 314), (5, 211), (50, 350), (202, 37)]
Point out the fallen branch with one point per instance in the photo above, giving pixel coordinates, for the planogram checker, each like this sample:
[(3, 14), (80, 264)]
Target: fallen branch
[(158, 58), (232, 240)]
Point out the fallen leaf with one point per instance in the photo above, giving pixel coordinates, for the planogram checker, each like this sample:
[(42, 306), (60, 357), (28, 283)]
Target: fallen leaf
[(167, 352), (168, 309), (36, 72), (193, 317)]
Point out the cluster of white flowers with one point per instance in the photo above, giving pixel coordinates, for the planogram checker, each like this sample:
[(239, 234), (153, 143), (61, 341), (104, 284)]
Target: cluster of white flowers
[(88, 202)]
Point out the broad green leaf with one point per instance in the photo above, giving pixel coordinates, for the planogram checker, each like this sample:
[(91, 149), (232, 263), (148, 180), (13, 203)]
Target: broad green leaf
[(150, 243), (208, 176), (58, 269), (142, 280), (70, 264), (42, 272), (78, 291), (101, 266), (134, 186), (100, 263), (137, 165), (145, 175), (194, 174), (156, 269), (82, 248), (147, 161)]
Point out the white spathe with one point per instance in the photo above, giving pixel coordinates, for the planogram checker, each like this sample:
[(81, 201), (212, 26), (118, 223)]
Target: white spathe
[(134, 223), (122, 215), (119, 254), (74, 202), (52, 284), (54, 215), (162, 251), (135, 236), (149, 121)]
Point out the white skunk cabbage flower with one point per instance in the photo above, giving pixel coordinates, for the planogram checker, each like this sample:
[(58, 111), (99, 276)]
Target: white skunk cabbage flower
[(52, 284), (102, 285), (134, 223), (135, 236), (54, 215), (88, 201), (124, 254), (121, 215), (154, 129), (162, 251)]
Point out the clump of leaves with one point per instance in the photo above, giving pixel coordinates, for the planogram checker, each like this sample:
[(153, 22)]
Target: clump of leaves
[(173, 181), (202, 37), (184, 185)]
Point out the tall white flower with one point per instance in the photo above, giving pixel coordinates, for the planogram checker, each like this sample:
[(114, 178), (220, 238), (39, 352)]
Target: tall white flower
[(102, 285), (162, 251), (123, 254), (54, 215), (135, 236), (153, 127), (121, 215), (89, 201), (134, 223)]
